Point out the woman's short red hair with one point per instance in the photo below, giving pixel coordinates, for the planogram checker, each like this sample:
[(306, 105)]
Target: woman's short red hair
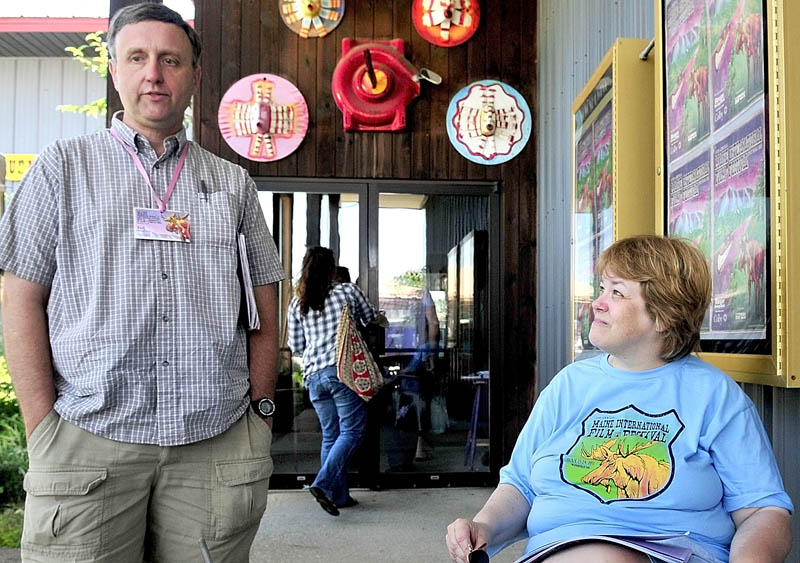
[(675, 283)]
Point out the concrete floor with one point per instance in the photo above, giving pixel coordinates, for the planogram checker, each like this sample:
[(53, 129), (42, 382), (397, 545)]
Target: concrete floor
[(402, 525)]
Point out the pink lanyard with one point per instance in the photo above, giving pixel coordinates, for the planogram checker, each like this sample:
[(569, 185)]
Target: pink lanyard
[(162, 204)]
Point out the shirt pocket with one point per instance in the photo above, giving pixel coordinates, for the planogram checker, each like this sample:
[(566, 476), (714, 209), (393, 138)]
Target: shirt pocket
[(214, 221)]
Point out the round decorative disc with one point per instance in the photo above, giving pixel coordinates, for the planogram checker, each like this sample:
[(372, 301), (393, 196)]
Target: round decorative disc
[(488, 122), (312, 18), (446, 23), (263, 117)]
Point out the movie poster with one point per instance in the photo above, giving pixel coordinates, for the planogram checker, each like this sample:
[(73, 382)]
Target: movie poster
[(584, 245), (716, 146), (686, 52), (737, 58), (740, 231), (690, 206), (604, 177), (593, 221)]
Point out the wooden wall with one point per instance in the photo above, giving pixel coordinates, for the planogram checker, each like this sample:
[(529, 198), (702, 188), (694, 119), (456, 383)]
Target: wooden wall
[(242, 37)]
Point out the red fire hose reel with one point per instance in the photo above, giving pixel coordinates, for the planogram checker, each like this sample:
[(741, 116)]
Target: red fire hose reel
[(373, 83)]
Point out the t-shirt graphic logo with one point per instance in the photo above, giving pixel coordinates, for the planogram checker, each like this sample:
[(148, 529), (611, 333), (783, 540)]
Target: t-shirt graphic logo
[(623, 455)]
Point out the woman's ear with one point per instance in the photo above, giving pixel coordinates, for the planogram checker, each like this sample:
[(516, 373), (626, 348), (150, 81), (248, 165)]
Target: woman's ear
[(660, 326)]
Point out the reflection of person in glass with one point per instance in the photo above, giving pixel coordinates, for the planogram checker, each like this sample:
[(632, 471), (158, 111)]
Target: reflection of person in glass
[(427, 333), (313, 319), (423, 364), (644, 440)]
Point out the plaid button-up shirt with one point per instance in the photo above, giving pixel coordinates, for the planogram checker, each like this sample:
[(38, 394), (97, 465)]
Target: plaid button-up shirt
[(314, 335), (146, 343)]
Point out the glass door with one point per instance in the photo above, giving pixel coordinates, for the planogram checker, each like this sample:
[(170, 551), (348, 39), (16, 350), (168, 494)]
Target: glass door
[(424, 255), (433, 283), (301, 215)]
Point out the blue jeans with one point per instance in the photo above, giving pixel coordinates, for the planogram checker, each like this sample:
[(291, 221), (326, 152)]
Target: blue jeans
[(343, 416)]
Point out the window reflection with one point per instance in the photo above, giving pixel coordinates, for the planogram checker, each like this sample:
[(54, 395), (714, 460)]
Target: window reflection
[(433, 287)]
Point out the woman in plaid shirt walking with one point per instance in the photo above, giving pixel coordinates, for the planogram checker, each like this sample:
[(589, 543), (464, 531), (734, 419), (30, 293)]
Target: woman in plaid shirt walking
[(313, 320)]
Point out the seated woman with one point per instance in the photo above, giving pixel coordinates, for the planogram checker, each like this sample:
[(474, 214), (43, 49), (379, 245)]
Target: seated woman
[(645, 439)]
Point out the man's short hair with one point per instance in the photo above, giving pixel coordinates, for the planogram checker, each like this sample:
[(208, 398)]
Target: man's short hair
[(675, 283), (147, 11)]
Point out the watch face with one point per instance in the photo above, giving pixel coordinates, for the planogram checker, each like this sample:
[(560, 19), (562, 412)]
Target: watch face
[(266, 407)]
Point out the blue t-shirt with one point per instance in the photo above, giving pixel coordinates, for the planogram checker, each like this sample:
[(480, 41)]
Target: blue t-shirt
[(665, 451)]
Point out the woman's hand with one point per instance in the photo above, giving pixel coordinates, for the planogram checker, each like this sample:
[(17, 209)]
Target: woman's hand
[(501, 520), (463, 536)]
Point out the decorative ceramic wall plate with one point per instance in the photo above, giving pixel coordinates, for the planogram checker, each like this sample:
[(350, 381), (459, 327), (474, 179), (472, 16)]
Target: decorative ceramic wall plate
[(446, 23), (263, 117), (312, 18), (373, 83), (488, 122)]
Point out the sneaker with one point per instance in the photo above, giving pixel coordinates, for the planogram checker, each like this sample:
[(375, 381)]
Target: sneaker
[(323, 500)]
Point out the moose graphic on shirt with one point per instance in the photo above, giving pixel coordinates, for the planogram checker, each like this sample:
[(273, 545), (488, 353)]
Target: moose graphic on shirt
[(634, 474), (623, 454)]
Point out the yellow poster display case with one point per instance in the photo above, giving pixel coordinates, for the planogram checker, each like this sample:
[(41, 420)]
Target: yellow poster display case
[(612, 170), (726, 174)]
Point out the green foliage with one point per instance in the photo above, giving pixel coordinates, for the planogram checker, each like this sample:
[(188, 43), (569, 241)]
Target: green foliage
[(97, 108), (13, 449), (411, 278), (11, 525), (5, 383), (297, 374), (97, 63)]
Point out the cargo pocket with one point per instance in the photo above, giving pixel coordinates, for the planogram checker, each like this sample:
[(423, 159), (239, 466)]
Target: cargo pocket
[(241, 495), (63, 508)]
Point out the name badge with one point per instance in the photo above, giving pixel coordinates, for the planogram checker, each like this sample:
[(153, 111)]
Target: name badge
[(152, 224)]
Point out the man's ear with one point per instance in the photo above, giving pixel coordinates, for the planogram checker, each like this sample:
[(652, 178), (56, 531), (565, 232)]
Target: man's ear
[(112, 70), (198, 74)]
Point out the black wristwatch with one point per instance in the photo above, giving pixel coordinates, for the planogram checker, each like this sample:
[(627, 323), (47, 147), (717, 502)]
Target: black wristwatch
[(264, 408)]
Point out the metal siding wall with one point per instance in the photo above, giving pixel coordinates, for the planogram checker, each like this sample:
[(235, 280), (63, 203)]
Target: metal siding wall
[(38, 85), (785, 406), (7, 109), (73, 87), (50, 79), (573, 37), (26, 106), (95, 88)]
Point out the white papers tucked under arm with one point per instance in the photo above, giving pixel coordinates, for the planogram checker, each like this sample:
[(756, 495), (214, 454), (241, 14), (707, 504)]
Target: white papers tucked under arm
[(253, 322)]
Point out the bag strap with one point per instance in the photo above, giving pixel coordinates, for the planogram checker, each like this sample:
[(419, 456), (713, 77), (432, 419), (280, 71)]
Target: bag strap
[(348, 303), (341, 331)]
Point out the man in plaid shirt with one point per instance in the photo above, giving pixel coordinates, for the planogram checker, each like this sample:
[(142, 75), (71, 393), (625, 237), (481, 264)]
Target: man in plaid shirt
[(121, 321)]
